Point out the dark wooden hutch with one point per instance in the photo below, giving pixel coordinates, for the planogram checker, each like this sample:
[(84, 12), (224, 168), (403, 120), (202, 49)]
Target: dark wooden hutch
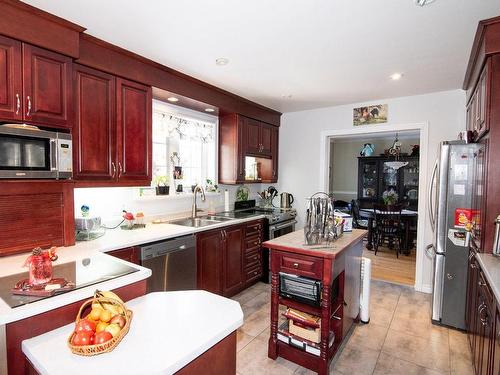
[(482, 84), (375, 176)]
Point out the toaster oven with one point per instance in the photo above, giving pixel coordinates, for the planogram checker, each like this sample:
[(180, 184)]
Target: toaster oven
[(301, 289)]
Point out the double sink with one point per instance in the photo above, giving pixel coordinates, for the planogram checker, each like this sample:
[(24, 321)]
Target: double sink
[(202, 221)]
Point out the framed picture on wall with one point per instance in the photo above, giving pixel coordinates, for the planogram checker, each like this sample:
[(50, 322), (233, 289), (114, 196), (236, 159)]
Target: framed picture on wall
[(372, 114)]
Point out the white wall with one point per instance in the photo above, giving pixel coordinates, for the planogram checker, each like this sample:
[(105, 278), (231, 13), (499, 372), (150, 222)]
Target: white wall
[(300, 143)]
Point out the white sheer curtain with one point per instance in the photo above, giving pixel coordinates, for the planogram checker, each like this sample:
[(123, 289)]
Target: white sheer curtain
[(194, 142)]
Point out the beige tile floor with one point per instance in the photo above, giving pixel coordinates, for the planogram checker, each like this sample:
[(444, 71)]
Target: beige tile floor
[(399, 340)]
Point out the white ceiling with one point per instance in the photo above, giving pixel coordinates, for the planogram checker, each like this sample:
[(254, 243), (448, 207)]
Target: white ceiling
[(322, 52)]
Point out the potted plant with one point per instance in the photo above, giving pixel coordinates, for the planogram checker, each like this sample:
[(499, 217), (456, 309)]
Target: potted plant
[(162, 187), (390, 197), (211, 187)]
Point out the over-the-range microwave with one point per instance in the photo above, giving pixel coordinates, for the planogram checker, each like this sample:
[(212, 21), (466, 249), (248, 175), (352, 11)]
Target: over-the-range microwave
[(28, 152)]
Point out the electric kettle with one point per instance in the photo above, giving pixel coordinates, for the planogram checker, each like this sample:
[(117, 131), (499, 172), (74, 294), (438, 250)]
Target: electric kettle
[(286, 200)]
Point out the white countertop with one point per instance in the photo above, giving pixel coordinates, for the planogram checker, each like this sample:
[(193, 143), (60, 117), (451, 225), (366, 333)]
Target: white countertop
[(112, 240), (168, 331), (491, 267)]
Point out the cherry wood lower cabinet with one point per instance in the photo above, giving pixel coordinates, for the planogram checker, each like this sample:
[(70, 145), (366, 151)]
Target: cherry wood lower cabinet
[(229, 259), (483, 321), (36, 325), (130, 254)]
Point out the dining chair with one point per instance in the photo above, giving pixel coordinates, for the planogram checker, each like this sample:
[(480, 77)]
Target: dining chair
[(358, 222), (388, 227)]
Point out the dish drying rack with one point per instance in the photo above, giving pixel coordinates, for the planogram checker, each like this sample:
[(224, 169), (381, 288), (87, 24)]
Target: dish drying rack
[(321, 224)]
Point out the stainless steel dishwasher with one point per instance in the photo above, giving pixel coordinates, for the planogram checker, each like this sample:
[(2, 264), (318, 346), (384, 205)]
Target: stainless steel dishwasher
[(172, 262)]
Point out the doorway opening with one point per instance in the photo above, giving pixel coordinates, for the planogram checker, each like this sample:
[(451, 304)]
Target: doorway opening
[(376, 176)]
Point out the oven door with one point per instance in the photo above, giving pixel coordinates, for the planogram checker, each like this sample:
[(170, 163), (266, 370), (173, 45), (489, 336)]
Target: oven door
[(280, 229), (27, 156)]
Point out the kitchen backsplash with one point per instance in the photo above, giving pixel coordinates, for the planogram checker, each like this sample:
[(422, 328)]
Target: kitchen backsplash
[(109, 202)]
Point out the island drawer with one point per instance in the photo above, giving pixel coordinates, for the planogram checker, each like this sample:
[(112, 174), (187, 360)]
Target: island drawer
[(302, 265), (254, 229)]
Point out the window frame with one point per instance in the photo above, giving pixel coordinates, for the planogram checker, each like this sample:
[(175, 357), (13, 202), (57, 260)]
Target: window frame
[(192, 115)]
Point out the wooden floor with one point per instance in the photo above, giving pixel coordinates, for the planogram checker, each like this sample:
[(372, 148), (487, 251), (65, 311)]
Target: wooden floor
[(386, 267)]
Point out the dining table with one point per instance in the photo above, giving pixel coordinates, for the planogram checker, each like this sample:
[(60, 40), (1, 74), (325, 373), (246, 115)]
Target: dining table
[(407, 217)]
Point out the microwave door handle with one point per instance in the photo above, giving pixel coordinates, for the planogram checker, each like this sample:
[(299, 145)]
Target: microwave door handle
[(53, 154)]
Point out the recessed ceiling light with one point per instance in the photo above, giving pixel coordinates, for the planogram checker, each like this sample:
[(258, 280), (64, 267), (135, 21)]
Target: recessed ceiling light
[(222, 61), (396, 76), (423, 3), (287, 96), (209, 110), (172, 99)]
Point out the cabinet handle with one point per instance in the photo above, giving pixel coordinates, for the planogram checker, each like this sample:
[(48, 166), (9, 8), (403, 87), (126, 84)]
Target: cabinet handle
[(296, 265), (255, 272), (119, 169), (28, 113), (255, 257), (113, 165), (473, 266), (480, 283), (18, 104)]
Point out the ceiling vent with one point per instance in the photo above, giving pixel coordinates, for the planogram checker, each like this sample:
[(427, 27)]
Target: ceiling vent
[(423, 3)]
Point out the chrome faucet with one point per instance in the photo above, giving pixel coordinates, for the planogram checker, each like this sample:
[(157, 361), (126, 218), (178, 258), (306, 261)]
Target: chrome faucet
[(194, 210)]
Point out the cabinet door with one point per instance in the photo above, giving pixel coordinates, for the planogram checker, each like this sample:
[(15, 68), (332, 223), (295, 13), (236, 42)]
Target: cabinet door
[(496, 348), (469, 124), (233, 261), (209, 248), (10, 80), (487, 333), (46, 87), (134, 118), (275, 152), (482, 103), (470, 311), (94, 133), (368, 180), (252, 139), (266, 139)]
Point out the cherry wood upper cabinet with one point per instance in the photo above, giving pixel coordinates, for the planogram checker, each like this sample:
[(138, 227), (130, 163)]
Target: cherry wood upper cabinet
[(10, 80), (253, 135), (275, 135), (47, 87), (240, 136), (94, 132), (266, 135), (134, 123), (232, 260)]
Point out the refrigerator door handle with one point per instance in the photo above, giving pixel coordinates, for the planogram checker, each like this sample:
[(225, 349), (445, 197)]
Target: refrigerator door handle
[(430, 196)]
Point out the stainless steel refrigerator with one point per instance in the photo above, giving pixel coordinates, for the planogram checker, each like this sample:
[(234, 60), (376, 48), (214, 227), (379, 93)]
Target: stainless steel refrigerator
[(450, 195)]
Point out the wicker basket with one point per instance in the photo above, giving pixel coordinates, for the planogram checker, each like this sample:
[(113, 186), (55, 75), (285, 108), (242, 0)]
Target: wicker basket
[(89, 350)]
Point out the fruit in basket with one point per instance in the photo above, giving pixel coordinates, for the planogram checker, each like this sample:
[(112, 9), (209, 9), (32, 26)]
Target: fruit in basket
[(95, 313), (109, 306), (101, 326), (118, 319), (102, 337), (114, 329), (82, 338), (85, 325), (105, 316)]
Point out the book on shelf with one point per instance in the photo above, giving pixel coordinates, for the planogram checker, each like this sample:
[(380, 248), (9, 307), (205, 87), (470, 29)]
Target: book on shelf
[(308, 346)]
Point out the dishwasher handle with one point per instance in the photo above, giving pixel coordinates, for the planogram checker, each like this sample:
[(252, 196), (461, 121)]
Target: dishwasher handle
[(165, 247), (170, 250)]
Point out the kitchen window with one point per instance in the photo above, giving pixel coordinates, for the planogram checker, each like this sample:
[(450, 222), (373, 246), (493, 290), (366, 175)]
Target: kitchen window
[(185, 141)]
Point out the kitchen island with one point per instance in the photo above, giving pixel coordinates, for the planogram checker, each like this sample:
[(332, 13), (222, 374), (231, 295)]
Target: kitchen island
[(186, 332), (337, 267)]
